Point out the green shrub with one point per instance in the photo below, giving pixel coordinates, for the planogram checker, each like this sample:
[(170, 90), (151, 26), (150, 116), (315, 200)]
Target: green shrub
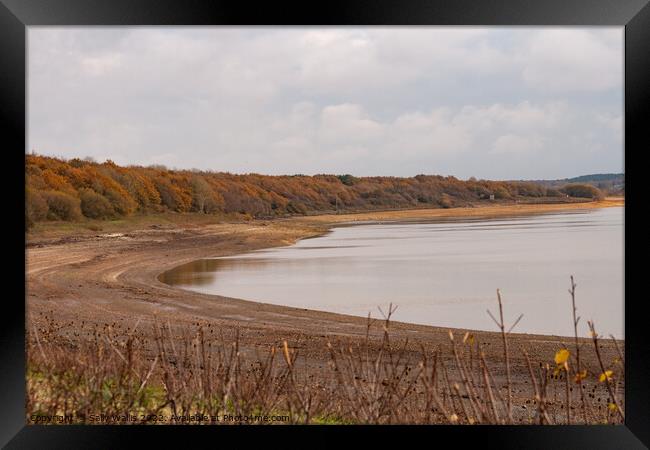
[(528, 189), (583, 191), (347, 179), (95, 205), (62, 206), (121, 201), (501, 193), (35, 207)]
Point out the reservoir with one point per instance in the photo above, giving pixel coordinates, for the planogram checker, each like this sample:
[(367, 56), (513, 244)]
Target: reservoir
[(442, 273)]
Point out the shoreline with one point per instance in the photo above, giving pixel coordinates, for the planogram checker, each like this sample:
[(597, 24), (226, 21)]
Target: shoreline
[(308, 227), (483, 211), (112, 278), (424, 216), (46, 233)]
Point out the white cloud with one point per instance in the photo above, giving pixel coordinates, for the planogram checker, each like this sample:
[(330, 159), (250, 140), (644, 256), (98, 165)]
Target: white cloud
[(433, 133), (513, 144), (340, 136), (613, 122), (365, 100), (101, 65), (574, 60), (348, 123)]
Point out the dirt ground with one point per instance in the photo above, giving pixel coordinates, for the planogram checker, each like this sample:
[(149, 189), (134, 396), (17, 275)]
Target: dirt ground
[(112, 278)]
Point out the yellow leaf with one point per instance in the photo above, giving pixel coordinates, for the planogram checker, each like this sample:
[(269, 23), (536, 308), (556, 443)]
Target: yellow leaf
[(581, 376), (612, 407), (606, 376), (561, 356)]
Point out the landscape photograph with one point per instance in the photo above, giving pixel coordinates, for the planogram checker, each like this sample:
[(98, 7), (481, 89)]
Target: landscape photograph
[(325, 225)]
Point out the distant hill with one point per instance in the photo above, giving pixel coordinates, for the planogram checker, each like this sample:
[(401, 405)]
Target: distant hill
[(609, 183), (597, 177)]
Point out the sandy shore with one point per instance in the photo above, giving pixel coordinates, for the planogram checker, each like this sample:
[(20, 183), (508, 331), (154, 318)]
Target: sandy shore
[(112, 278), (465, 212)]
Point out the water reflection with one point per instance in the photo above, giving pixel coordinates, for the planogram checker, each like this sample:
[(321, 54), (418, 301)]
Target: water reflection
[(442, 273), (204, 271)]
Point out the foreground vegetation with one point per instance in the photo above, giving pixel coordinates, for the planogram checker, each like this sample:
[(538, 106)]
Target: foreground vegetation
[(82, 373), (76, 190)]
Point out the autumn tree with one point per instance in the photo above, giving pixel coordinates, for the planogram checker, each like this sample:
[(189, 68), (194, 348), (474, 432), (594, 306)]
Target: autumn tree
[(70, 190), (203, 198)]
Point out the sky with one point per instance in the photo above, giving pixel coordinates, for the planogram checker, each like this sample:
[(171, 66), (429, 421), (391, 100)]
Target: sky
[(490, 103)]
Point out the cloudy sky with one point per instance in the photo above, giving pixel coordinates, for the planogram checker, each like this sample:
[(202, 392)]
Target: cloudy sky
[(498, 103)]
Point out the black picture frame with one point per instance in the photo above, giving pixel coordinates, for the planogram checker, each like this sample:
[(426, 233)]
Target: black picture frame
[(16, 15)]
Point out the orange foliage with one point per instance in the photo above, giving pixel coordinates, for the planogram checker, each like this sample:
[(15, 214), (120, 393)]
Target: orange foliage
[(103, 190)]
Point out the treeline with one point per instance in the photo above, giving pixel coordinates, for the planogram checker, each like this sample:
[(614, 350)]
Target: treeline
[(70, 190), (598, 177), (607, 183)]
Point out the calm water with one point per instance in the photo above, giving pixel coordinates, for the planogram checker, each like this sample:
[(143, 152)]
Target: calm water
[(443, 274)]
